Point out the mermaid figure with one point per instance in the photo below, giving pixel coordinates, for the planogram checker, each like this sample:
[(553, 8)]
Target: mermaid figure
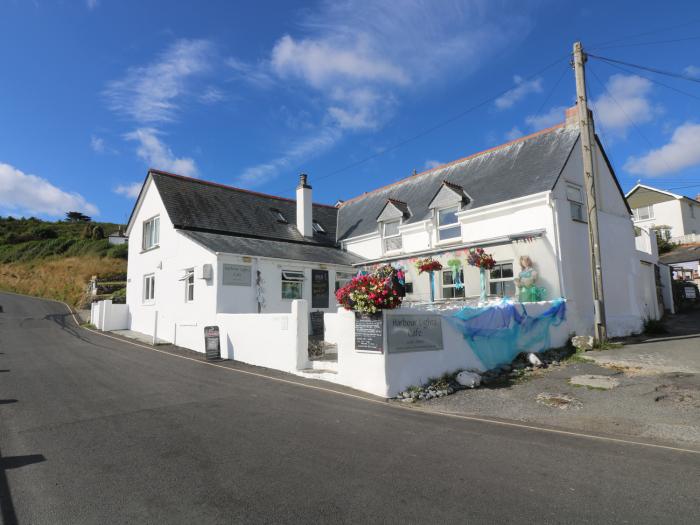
[(525, 281)]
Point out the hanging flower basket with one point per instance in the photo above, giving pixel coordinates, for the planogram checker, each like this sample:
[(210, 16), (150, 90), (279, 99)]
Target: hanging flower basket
[(370, 293), (428, 265), (479, 258)]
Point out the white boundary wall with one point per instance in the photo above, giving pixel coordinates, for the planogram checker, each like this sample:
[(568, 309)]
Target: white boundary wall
[(105, 315), (386, 374)]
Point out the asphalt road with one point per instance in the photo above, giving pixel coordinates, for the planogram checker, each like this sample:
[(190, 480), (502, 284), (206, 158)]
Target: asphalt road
[(94, 430)]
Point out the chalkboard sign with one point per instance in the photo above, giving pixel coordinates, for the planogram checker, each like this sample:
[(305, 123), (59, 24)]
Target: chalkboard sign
[(369, 332), (319, 288), (317, 327), (212, 346)]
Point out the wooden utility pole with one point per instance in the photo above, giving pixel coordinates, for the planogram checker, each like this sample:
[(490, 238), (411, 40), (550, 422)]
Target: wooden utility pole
[(587, 149)]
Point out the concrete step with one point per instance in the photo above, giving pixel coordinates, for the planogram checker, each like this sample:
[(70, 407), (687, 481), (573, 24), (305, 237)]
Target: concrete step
[(315, 373), (325, 363)]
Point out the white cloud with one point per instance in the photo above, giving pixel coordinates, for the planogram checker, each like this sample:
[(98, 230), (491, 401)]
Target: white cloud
[(624, 103), (258, 75), (20, 192), (129, 190), (212, 95), (431, 163), (520, 91), (148, 94), (97, 144), (683, 151), (692, 71), (356, 59), (158, 155), (514, 133), (302, 150), (546, 120), (92, 4)]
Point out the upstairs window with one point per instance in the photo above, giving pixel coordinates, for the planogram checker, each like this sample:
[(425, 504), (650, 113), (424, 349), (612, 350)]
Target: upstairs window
[(292, 284), (575, 197), (317, 227), (151, 233), (391, 236), (279, 216), (501, 280), (643, 213), (692, 210), (448, 224), (149, 288)]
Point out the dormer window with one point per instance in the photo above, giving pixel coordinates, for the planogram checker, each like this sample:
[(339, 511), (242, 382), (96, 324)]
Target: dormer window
[(391, 237), (318, 228), (448, 224)]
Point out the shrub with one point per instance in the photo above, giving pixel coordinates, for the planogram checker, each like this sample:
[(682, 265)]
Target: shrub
[(119, 251)]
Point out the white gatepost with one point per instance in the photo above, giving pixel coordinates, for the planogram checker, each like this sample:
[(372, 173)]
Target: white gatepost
[(300, 318)]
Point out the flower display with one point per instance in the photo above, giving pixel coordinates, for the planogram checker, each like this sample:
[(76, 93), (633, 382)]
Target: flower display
[(428, 265), (370, 293), (479, 258)]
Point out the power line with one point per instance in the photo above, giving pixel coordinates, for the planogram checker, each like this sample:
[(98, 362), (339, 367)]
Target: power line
[(646, 68), (645, 33), (650, 79), (651, 43), (439, 125), (551, 91)]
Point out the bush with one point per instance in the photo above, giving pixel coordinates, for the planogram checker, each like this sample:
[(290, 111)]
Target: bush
[(98, 233), (119, 251)]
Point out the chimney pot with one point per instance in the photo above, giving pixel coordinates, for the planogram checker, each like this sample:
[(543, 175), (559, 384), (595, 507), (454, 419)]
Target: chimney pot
[(303, 181)]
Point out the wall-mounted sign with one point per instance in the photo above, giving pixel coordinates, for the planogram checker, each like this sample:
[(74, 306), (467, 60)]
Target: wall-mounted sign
[(317, 326), (414, 333), (369, 332), (212, 345), (690, 292), (237, 275), (319, 288)]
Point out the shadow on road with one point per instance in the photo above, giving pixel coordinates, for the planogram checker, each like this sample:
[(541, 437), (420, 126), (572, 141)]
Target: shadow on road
[(7, 507)]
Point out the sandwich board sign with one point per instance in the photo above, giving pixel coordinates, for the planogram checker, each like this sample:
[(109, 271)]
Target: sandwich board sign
[(212, 346)]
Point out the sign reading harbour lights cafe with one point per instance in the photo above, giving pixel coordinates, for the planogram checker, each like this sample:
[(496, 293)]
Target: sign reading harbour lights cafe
[(414, 333)]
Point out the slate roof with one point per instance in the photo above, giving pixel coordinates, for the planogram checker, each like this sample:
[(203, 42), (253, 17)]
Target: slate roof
[(528, 165), (681, 254), (194, 204), (269, 248)]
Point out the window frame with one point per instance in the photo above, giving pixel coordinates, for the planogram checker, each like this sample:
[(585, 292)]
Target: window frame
[(451, 286), (574, 204), (451, 226), (148, 295), (692, 210), (501, 280), (150, 237), (317, 227), (344, 280), (288, 277), (188, 278), (650, 212), (392, 237)]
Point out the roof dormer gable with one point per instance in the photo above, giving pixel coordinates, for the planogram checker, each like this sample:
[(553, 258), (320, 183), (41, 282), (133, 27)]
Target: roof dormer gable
[(449, 194), (394, 209)]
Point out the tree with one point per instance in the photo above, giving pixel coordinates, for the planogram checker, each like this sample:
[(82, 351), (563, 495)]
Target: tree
[(76, 216), (98, 233)]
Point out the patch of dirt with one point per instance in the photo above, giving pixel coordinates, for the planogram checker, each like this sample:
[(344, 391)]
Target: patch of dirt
[(561, 401)]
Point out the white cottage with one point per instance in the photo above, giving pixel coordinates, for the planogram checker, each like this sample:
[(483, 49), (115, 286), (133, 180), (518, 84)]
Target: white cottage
[(199, 250), (676, 217)]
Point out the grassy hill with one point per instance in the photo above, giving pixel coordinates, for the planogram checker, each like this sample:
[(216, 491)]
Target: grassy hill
[(57, 259)]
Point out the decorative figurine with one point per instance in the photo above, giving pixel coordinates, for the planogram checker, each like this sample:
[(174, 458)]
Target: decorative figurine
[(525, 282)]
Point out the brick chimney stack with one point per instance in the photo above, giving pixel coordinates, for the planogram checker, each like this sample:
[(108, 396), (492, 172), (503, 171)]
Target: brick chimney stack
[(571, 117)]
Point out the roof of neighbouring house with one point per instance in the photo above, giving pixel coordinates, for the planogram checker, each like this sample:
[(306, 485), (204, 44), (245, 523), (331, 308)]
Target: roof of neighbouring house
[(525, 166), (681, 254), (198, 205), (644, 195), (270, 248)]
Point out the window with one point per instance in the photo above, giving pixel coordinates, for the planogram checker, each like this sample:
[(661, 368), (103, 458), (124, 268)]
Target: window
[(189, 285), (501, 280), (643, 213), (692, 211), (151, 233), (278, 216), (391, 236), (575, 197), (149, 288), (292, 284), (450, 288), (448, 225), (317, 227), (342, 278)]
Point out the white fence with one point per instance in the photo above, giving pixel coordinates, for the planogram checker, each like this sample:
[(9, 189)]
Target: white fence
[(104, 315), (686, 239)]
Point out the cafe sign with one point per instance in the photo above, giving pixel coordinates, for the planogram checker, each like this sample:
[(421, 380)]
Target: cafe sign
[(414, 333)]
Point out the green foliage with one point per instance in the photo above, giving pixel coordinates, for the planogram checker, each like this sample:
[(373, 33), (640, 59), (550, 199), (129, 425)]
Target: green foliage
[(32, 239), (119, 251), (654, 327)]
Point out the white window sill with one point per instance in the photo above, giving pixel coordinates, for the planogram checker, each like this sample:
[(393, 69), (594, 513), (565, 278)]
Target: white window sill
[(148, 303), (145, 250), (449, 241)]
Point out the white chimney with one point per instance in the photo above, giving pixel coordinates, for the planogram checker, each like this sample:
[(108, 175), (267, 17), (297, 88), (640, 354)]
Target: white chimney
[(304, 215)]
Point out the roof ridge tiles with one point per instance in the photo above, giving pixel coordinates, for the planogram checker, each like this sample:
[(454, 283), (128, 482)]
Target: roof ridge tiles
[(228, 187), (468, 157)]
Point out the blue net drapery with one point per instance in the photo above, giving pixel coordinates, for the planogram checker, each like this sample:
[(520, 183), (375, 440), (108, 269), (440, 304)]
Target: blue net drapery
[(500, 332)]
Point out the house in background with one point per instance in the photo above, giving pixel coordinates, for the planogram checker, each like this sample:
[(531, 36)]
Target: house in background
[(676, 217), (198, 249), (524, 198), (117, 237)]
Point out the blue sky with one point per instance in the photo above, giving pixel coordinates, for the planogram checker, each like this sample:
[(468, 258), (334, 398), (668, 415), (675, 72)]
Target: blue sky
[(93, 92)]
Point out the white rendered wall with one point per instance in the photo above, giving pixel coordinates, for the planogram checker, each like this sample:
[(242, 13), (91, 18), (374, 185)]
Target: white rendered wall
[(670, 213)]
